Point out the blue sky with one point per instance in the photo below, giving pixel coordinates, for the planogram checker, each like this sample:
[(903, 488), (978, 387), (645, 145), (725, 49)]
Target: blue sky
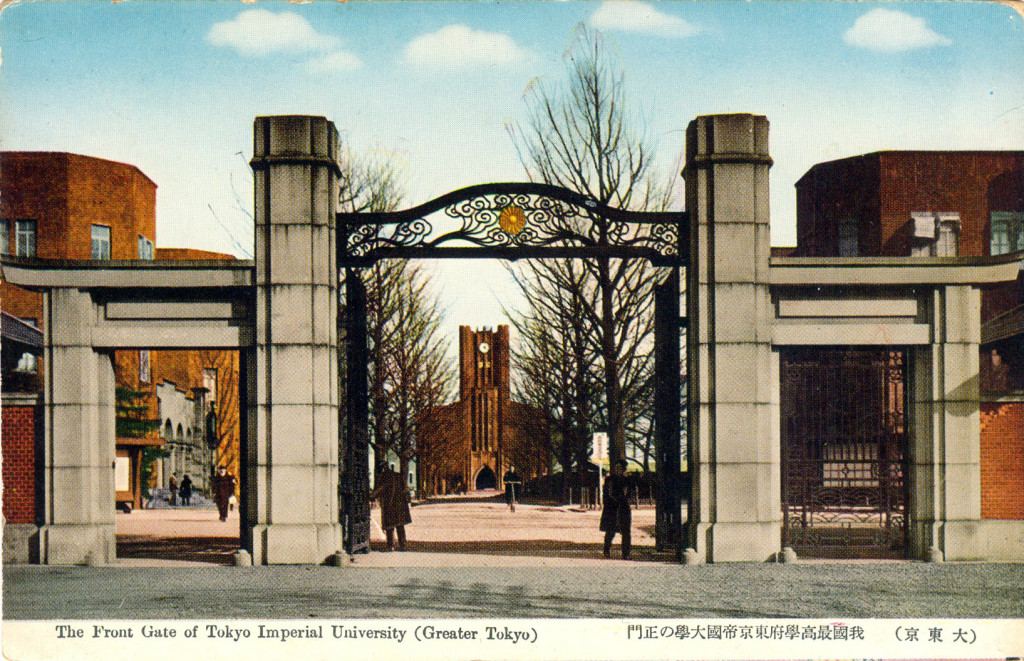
[(173, 88)]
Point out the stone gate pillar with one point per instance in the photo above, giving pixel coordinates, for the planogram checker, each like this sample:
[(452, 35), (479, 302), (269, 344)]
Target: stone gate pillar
[(292, 485), (734, 449), (78, 455), (945, 440)]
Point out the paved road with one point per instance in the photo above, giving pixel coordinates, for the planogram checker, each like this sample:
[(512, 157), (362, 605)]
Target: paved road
[(616, 589), (474, 558)]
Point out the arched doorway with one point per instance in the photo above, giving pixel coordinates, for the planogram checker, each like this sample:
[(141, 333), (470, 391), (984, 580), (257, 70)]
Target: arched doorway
[(485, 479)]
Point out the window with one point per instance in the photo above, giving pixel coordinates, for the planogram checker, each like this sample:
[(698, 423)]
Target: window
[(27, 363), (100, 242), (1006, 232), (5, 238), (935, 234), (145, 248), (947, 240), (849, 246), (144, 372), (210, 383), (25, 238)]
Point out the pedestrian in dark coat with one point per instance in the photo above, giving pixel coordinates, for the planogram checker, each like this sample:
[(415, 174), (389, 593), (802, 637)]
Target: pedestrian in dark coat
[(223, 489), (616, 517), (186, 490), (512, 485), (394, 505)]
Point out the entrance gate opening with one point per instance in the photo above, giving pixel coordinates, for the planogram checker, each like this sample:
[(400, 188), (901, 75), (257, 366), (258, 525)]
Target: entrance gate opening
[(507, 221), (844, 441)]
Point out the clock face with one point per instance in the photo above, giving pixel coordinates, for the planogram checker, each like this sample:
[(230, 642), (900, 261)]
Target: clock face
[(484, 347)]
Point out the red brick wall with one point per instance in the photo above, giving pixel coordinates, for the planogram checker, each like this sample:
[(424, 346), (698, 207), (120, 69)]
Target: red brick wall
[(882, 189), (67, 193), (1002, 460), (190, 253), (971, 183), (19, 464), (830, 192)]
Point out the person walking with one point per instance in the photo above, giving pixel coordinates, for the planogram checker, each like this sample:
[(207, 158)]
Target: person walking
[(616, 517), (512, 485), (223, 490), (186, 490), (394, 505), (172, 484)]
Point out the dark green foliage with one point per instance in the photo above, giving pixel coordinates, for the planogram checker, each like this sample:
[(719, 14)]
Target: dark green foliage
[(149, 457), (132, 422), (131, 414)]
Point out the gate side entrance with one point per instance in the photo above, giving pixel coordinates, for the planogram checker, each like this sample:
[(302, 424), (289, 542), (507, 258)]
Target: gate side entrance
[(510, 221), (844, 449)]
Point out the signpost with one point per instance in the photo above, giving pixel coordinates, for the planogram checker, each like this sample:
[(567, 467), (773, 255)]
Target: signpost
[(599, 453)]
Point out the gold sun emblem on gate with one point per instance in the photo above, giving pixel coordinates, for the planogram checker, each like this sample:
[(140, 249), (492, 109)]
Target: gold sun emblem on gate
[(512, 220)]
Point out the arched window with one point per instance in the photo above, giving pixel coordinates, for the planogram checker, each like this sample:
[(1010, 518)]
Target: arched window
[(168, 432), (181, 432)]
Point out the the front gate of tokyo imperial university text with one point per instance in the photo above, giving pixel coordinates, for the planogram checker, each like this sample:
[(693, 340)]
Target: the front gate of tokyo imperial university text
[(510, 221)]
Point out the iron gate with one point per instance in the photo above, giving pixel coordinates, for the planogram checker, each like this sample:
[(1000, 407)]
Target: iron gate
[(844, 441), (496, 221)]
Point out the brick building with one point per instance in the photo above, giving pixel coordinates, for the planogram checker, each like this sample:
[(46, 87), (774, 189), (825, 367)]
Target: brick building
[(64, 206), (471, 443), (940, 204)]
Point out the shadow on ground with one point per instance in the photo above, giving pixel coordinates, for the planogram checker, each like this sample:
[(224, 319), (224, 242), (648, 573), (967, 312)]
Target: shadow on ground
[(212, 550), (543, 548)]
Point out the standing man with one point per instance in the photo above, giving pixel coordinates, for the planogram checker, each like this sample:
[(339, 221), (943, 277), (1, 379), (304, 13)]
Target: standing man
[(186, 490), (172, 484), (394, 505), (512, 485), (616, 517), (223, 489)]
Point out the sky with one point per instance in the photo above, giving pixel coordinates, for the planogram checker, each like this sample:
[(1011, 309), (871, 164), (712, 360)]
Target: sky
[(173, 87)]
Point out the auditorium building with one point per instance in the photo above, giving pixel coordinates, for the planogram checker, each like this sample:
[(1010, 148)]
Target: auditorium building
[(471, 443)]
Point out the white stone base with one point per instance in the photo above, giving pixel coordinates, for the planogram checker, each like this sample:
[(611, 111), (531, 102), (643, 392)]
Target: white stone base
[(295, 544), (738, 542), (21, 543), (989, 540), (78, 544), (1003, 540)]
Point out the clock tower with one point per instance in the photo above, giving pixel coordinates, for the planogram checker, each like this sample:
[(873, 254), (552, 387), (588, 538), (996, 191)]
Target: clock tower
[(484, 387)]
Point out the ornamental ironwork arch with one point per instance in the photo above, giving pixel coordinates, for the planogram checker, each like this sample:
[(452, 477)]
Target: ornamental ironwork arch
[(513, 221)]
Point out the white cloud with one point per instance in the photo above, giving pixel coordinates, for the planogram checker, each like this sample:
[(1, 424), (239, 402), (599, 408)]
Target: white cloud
[(260, 32), (892, 31), (460, 46), (631, 16), (336, 61)]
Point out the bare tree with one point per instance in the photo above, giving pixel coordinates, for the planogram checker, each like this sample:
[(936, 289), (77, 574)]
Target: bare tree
[(226, 408), (555, 362), (412, 364), (408, 373), (584, 137)]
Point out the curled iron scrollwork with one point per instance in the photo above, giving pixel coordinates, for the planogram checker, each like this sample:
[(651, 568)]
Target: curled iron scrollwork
[(546, 222)]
